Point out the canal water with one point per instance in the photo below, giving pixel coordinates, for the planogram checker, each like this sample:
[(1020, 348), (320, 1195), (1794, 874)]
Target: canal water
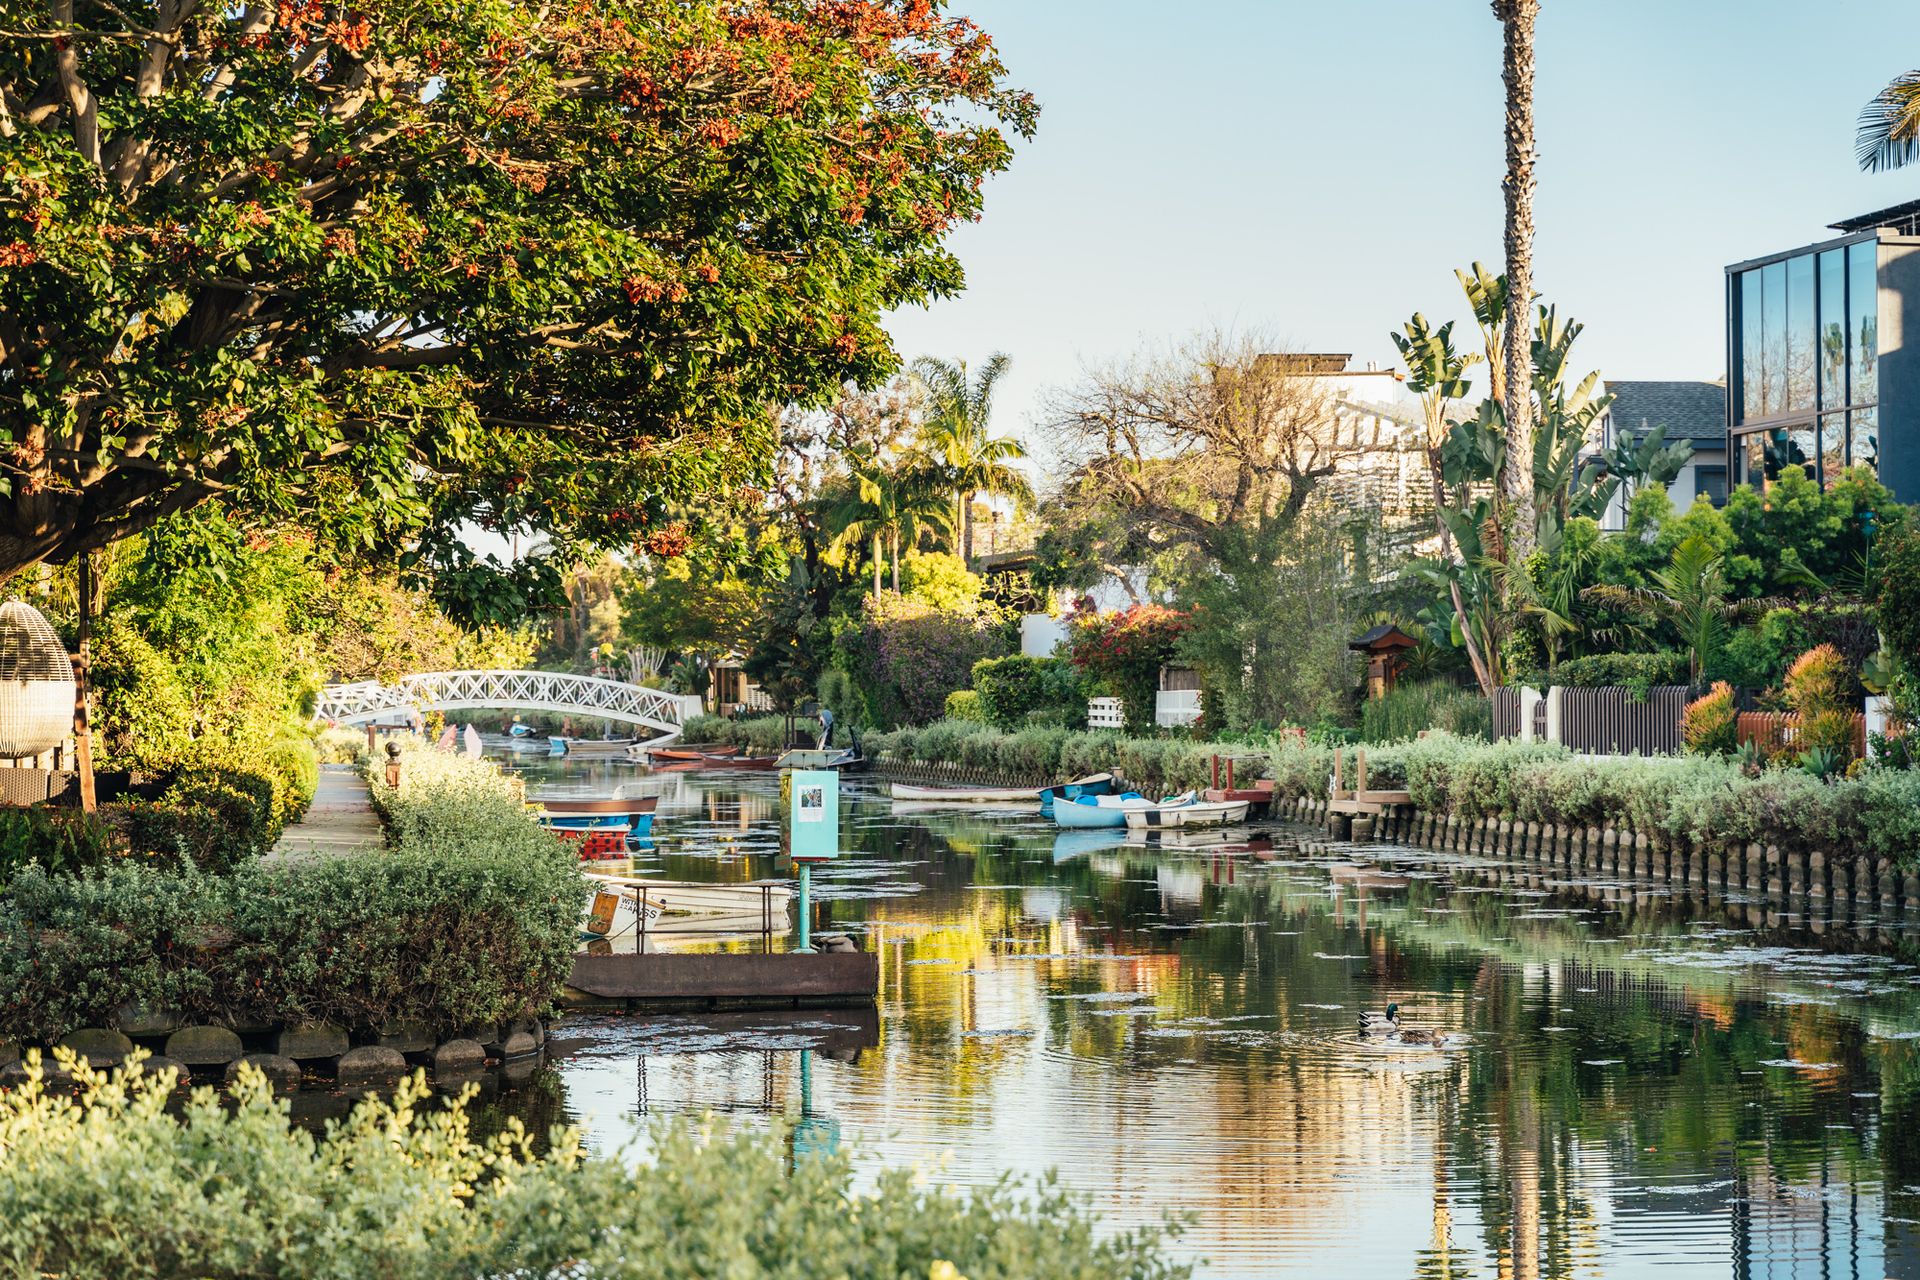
[(1644, 1086)]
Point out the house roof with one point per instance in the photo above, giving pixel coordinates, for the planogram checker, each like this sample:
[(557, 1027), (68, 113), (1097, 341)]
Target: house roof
[(1381, 637), (1688, 410), (1903, 218)]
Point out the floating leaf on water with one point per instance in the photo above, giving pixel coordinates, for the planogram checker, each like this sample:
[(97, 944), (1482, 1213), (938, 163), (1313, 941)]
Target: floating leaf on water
[(1798, 1065), (1004, 1033), (1601, 1062)]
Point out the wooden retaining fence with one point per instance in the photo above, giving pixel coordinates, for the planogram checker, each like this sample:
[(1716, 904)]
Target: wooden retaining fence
[(1819, 879), (1775, 731)]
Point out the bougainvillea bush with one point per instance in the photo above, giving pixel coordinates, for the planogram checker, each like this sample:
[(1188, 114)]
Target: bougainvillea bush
[(906, 656), (1127, 650)]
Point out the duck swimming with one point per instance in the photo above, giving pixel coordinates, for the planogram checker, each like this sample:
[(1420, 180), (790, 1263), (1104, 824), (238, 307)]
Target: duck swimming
[(1381, 1024)]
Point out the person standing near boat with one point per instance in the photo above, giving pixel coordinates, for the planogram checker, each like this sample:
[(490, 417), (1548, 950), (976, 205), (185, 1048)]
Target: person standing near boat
[(826, 725)]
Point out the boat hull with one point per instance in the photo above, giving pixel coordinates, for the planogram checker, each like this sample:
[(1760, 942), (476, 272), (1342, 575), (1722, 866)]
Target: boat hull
[(965, 795), (1074, 816), (1098, 784)]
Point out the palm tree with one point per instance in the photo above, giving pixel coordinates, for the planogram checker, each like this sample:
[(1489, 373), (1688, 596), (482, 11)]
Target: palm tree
[(958, 438), (888, 503), (1889, 134), (1690, 594), (1517, 18)]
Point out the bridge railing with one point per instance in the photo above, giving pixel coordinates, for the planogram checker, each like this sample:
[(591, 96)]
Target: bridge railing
[(556, 691)]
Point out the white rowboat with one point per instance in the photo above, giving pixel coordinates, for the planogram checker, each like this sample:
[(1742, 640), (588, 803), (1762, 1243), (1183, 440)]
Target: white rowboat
[(1201, 813), (694, 898), (967, 795)]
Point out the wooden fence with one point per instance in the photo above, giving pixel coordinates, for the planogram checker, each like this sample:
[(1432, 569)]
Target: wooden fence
[(1775, 731), (1613, 721)]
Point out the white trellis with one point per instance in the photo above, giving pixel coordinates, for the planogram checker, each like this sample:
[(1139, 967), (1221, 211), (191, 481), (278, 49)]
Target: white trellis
[(368, 700)]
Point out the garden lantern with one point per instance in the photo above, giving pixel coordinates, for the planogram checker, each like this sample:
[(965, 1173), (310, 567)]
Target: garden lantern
[(36, 683)]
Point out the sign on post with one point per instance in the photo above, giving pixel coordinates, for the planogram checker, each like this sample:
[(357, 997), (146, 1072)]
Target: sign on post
[(813, 814)]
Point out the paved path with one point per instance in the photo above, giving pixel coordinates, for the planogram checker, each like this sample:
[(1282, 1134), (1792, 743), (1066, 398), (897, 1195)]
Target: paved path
[(340, 820)]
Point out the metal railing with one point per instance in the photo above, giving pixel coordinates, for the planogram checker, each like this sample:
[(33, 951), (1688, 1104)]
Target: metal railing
[(556, 691)]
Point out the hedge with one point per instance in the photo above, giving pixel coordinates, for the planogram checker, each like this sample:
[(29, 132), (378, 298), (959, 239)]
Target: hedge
[(229, 1188), (1693, 803), (1167, 764), (763, 735), (470, 918)]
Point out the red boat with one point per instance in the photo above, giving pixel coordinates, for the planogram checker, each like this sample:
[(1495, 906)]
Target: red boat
[(697, 751)]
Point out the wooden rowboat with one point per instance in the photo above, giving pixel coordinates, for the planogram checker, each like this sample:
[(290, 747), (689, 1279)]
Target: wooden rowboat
[(684, 753), (967, 795), (697, 898), (590, 748), (708, 761)]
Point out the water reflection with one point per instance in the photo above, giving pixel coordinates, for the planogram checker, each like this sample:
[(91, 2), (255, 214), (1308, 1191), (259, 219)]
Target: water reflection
[(1645, 1080)]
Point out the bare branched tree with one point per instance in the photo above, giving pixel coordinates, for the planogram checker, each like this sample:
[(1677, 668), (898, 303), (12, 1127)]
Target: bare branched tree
[(1216, 447)]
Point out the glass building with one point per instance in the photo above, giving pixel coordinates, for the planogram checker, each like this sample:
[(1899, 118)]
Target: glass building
[(1819, 373)]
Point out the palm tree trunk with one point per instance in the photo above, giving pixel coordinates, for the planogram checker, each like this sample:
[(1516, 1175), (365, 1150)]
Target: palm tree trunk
[(896, 561), (966, 531), (876, 564), (1516, 69)]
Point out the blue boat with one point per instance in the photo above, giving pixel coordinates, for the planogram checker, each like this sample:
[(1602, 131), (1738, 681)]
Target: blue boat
[(633, 815), (1095, 784), (635, 825), (1087, 811)]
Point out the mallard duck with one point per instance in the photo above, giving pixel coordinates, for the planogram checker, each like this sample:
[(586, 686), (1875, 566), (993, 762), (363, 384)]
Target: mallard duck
[(1381, 1024), (1420, 1035)]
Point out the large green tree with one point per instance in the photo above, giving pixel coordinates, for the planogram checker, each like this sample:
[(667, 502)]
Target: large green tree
[(392, 265)]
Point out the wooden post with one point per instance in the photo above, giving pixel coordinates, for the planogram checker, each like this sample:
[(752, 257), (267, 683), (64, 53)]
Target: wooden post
[(82, 722), (1360, 770)]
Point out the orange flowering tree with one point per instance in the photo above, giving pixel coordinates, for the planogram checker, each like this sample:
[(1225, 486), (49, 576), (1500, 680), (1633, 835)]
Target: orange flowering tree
[(1127, 650), (389, 265)]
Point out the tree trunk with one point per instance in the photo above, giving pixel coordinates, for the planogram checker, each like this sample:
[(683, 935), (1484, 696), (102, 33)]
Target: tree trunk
[(1482, 668), (966, 530), (1517, 17), (894, 541), (877, 558), (82, 661)]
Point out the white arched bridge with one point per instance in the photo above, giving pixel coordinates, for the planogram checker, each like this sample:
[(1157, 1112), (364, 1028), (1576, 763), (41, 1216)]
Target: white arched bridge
[(367, 700)]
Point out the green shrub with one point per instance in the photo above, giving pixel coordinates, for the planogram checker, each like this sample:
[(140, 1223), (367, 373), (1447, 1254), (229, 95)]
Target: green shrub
[(1636, 671), (761, 735), (59, 840), (338, 746), (469, 918), (964, 704), (231, 1189), (1010, 689), (1409, 708)]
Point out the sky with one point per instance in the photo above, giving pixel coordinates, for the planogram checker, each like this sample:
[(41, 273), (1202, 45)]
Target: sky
[(1315, 172)]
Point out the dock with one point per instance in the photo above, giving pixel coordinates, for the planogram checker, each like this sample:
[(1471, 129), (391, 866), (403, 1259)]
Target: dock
[(1362, 803), (668, 981)]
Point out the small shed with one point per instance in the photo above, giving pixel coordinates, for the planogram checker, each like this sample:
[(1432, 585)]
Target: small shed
[(1386, 649)]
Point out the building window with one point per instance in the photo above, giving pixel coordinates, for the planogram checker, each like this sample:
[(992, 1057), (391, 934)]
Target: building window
[(1833, 329), (1711, 483), (1863, 327), (1866, 438), (1833, 446), (1806, 357)]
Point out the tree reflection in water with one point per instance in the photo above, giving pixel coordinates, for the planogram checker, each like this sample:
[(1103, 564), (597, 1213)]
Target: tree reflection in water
[(1645, 1083)]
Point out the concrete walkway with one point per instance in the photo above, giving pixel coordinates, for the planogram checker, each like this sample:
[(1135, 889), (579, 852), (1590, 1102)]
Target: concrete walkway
[(340, 820)]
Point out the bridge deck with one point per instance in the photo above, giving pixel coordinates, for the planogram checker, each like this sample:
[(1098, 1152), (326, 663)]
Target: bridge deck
[(340, 820)]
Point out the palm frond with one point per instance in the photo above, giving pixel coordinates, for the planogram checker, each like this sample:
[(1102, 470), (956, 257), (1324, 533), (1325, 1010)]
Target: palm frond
[(1889, 128)]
